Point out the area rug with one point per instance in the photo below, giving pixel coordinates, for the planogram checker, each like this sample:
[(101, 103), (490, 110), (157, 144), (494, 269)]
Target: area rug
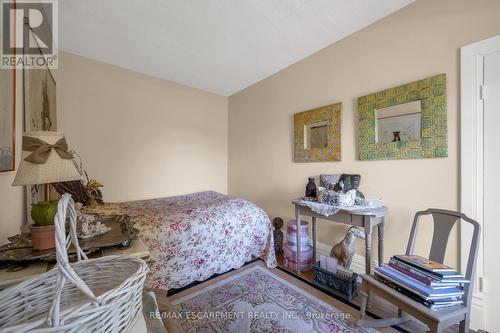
[(258, 300)]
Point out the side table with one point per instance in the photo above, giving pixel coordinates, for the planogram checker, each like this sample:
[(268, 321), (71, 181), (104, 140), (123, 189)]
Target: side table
[(9, 277), (367, 219)]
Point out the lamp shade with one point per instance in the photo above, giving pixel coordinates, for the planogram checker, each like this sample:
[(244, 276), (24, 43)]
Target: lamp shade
[(45, 159)]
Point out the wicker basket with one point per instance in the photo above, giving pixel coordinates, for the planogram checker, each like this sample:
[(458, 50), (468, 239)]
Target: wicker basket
[(95, 295)]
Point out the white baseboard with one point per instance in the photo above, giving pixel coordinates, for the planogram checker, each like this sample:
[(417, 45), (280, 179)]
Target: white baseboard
[(358, 261), (477, 314)]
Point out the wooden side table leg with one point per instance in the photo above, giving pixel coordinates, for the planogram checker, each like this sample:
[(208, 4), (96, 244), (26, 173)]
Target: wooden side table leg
[(297, 253), (314, 238), (381, 243), (368, 244)]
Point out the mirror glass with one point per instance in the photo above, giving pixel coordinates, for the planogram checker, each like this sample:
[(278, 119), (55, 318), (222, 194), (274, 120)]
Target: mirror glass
[(400, 122), (316, 135)]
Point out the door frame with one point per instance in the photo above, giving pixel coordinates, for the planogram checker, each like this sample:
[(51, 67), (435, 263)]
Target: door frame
[(472, 158)]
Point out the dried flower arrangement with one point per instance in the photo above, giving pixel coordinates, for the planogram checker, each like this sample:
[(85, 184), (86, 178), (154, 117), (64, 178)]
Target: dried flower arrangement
[(88, 194)]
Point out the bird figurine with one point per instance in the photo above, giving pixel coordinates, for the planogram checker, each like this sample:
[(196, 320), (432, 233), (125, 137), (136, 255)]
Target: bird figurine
[(344, 251)]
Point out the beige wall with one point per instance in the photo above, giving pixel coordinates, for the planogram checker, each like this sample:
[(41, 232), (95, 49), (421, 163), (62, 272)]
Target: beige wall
[(420, 40), (140, 136)]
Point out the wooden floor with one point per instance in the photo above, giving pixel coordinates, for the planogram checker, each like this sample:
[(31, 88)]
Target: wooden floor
[(377, 306)]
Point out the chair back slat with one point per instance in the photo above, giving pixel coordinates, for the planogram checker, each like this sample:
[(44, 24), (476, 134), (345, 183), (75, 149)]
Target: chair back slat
[(443, 223)]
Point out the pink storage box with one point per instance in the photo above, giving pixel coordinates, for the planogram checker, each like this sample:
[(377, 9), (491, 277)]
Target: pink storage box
[(293, 266), (303, 246), (291, 235), (292, 226), (305, 255)]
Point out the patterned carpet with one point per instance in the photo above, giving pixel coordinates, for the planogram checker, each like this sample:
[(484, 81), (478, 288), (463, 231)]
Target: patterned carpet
[(258, 300)]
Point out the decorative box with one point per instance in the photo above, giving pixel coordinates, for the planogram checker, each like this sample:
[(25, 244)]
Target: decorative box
[(292, 265), (292, 242), (290, 250), (336, 285), (340, 198), (291, 226), (305, 256), (328, 181)]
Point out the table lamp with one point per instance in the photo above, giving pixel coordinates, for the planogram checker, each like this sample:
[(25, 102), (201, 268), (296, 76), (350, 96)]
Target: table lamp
[(45, 160)]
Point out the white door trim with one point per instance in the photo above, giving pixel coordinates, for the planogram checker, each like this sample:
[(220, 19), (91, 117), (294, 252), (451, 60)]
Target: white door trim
[(471, 143)]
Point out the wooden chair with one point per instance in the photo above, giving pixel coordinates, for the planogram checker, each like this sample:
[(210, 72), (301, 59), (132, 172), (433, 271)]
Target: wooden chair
[(436, 320)]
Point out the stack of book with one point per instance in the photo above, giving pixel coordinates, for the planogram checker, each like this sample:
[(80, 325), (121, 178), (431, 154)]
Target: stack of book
[(430, 283)]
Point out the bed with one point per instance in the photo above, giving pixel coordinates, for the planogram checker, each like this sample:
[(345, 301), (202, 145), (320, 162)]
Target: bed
[(194, 236)]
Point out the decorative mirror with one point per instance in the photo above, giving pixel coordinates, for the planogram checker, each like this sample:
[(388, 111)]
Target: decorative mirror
[(7, 119), (404, 122), (317, 134)]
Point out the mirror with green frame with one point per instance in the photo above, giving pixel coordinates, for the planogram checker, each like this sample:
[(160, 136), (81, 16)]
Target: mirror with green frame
[(408, 121)]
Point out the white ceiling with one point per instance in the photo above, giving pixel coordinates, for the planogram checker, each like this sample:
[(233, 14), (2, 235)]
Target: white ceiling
[(222, 46)]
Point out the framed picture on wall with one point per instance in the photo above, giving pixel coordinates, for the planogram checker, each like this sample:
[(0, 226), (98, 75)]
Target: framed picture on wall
[(7, 120), (40, 109)]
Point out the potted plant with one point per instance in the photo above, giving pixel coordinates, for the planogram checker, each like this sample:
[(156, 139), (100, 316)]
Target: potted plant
[(43, 231)]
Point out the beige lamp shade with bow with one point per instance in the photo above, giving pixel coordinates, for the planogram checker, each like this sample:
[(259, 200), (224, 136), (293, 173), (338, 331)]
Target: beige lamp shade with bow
[(45, 159)]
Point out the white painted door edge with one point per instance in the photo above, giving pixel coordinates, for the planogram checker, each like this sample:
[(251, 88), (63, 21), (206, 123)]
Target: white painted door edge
[(471, 161)]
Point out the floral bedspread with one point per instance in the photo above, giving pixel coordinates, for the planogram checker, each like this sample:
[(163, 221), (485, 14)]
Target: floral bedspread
[(192, 237)]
